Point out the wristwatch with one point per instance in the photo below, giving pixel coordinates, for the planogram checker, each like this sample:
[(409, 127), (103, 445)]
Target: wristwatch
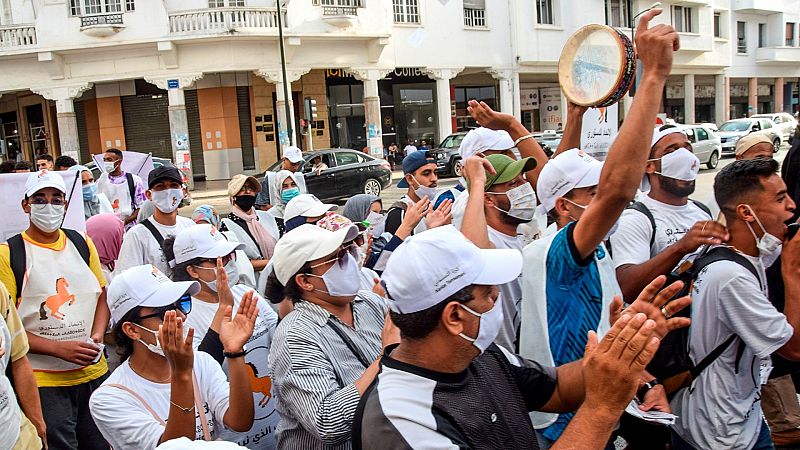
[(646, 388), (233, 355)]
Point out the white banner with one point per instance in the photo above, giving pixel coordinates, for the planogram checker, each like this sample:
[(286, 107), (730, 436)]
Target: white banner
[(12, 191), (599, 130), (134, 162), (550, 108)]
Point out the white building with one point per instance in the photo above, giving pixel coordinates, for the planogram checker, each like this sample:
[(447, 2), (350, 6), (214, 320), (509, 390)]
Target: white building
[(80, 76)]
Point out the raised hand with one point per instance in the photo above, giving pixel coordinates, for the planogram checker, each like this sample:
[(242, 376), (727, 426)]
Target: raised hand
[(707, 232), (655, 45), (377, 288), (177, 348), (234, 332), (416, 212), (441, 215), (223, 288), (475, 169), (653, 302), (489, 118)]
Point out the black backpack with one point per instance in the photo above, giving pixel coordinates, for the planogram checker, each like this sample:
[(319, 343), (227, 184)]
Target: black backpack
[(672, 364)]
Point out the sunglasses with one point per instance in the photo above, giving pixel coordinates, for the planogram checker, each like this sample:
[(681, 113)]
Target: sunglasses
[(184, 305)]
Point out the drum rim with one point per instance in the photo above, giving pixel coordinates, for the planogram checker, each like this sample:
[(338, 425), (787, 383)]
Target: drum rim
[(623, 42)]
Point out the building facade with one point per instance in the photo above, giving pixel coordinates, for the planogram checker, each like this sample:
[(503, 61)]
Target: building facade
[(204, 76)]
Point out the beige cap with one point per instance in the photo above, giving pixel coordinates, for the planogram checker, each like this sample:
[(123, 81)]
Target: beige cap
[(236, 183), (749, 141)]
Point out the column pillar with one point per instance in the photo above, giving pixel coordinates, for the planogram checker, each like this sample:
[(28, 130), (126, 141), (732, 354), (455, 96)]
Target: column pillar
[(517, 95), (688, 98), (720, 99), (752, 96), (506, 81), (65, 115), (444, 122), (275, 76), (778, 95), (372, 107)]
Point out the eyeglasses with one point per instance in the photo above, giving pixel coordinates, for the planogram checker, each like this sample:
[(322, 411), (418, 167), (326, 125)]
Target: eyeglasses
[(343, 250), (43, 201), (184, 305), (225, 259)]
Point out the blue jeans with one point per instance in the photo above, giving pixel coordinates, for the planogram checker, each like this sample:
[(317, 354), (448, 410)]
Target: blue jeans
[(545, 444), (764, 441)]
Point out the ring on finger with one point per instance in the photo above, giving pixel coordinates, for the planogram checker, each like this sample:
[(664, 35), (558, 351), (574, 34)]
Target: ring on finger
[(702, 230), (665, 312)]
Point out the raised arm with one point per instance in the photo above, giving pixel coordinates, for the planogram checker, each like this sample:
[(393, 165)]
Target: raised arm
[(571, 137)]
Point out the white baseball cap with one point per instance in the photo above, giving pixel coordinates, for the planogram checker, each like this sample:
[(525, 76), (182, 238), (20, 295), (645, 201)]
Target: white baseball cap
[(144, 286), (202, 241), (429, 267), (306, 205), (306, 243), (663, 131), (293, 154), (569, 170), (44, 179), (482, 139)]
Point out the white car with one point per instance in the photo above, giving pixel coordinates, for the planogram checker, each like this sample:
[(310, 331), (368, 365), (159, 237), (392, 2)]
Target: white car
[(706, 145), (784, 121), (731, 131)]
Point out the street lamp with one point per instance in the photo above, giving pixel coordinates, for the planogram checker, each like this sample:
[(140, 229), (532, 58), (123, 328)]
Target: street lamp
[(632, 91), (286, 98)]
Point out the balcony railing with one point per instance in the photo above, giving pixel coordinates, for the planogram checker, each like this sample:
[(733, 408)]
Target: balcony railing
[(17, 36), (339, 11), (216, 20), (104, 19)]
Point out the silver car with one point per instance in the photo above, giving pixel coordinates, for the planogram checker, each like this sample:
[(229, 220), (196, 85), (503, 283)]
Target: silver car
[(706, 145), (784, 121), (731, 131)]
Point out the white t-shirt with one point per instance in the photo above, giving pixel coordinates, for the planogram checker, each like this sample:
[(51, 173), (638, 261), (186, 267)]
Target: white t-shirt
[(510, 296), (409, 149), (257, 348), (630, 243), (139, 247), (126, 424), (722, 408)]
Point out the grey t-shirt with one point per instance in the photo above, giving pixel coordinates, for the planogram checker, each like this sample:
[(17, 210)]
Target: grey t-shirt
[(722, 409)]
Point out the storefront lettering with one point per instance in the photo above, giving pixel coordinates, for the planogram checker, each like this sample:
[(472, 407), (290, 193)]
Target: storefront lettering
[(408, 72)]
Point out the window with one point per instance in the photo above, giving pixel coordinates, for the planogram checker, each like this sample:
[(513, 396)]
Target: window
[(224, 3), (762, 35), (345, 158), (741, 37), (544, 12), (717, 25), (406, 11), (130, 6), (94, 7), (702, 134), (618, 13), (464, 121), (790, 34), (690, 134), (475, 13), (765, 124), (344, 3), (682, 19)]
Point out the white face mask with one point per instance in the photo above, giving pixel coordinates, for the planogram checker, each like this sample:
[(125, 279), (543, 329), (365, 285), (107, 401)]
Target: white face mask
[(342, 279), (167, 200), (230, 269), (47, 218), (489, 327), (424, 191), (608, 234), (377, 223), (157, 349), (679, 165), (109, 166), (769, 246), (523, 202)]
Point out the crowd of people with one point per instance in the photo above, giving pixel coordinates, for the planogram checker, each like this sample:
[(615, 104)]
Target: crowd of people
[(543, 302)]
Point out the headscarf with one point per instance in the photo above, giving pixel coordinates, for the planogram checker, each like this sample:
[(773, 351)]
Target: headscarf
[(206, 213), (106, 232), (358, 207), (278, 204), (262, 238), (90, 207)]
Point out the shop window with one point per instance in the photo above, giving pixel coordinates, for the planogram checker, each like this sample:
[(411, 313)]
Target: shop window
[(618, 13), (475, 13), (762, 35), (741, 38), (790, 34), (463, 95), (682, 19), (544, 12), (406, 11)]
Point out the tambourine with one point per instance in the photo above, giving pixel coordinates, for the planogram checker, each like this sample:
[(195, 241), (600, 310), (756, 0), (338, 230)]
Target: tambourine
[(597, 66)]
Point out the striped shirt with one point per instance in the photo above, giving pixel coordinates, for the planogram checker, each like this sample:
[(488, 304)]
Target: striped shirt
[(315, 360)]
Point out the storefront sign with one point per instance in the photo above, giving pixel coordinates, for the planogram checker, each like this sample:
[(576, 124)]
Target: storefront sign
[(529, 99), (764, 90), (706, 91), (675, 91), (550, 108), (738, 90), (599, 130)]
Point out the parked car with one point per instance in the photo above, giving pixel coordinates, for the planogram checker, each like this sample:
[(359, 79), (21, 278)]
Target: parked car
[(731, 131), (549, 140), (784, 121), (349, 172), (706, 145), (447, 156)]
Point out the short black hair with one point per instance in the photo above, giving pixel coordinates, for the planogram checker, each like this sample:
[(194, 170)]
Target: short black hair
[(7, 166), (276, 292), (115, 151), (23, 165), (418, 325), (45, 157), (739, 179), (65, 161)]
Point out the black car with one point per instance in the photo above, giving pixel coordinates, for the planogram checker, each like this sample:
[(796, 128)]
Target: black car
[(349, 172), (447, 156)]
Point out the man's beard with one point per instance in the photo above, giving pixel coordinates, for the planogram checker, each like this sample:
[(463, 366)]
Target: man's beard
[(672, 186)]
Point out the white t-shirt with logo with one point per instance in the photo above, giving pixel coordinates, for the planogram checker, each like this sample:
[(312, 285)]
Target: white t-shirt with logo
[(630, 243), (722, 408), (127, 424), (139, 247), (510, 296)]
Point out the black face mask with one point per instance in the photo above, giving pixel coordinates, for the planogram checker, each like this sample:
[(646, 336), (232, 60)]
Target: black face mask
[(244, 202)]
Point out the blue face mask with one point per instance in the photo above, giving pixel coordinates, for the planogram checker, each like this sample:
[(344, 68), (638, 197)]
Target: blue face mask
[(289, 194), (89, 192)]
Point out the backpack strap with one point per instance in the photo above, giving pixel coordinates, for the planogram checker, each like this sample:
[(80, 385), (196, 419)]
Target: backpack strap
[(141, 400), (18, 259), (154, 231), (642, 208), (131, 190), (702, 206), (79, 242), (198, 405)]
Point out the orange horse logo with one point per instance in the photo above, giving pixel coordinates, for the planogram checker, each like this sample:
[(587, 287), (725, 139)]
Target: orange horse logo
[(260, 385), (54, 302), (115, 205)]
